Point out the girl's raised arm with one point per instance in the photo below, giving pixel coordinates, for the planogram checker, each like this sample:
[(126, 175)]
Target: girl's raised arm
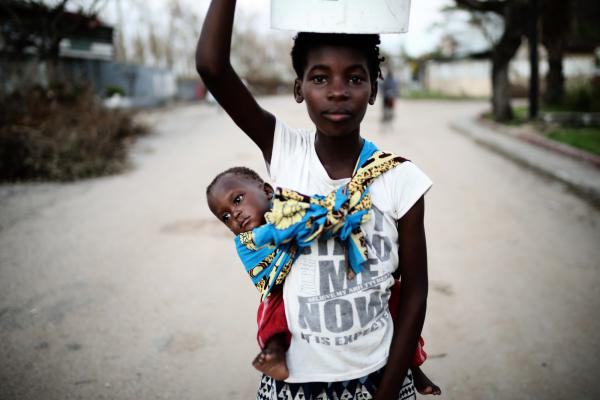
[(214, 66)]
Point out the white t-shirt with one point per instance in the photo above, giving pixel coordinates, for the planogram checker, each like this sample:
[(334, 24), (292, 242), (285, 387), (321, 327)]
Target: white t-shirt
[(341, 329)]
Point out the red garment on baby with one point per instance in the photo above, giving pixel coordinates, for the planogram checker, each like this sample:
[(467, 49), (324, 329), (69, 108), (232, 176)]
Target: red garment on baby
[(271, 320)]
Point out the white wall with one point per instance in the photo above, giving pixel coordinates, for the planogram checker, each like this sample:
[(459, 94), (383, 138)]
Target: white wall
[(472, 77)]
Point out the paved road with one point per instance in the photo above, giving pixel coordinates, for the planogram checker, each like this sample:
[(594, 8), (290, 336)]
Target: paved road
[(107, 289)]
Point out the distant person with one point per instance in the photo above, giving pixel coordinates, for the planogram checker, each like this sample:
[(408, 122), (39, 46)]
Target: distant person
[(389, 87), (240, 199), (201, 91)]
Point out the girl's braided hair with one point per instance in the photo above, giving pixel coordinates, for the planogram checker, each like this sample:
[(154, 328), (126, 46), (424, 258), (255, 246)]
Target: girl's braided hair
[(368, 44)]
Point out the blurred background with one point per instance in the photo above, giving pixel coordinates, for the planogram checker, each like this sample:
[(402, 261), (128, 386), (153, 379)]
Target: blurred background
[(108, 138), (130, 54)]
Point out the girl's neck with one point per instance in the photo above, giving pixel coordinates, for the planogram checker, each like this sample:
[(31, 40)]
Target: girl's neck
[(338, 154)]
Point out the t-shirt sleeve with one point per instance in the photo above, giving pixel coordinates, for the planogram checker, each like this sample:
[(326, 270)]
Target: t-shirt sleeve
[(410, 183), (286, 142)]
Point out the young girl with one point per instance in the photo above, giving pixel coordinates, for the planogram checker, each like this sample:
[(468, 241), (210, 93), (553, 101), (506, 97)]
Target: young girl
[(240, 198), (344, 343)]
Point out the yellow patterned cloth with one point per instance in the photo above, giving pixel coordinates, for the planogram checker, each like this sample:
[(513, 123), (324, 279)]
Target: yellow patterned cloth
[(295, 220)]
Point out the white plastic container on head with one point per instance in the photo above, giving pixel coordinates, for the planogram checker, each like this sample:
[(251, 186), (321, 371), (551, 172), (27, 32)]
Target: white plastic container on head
[(341, 16)]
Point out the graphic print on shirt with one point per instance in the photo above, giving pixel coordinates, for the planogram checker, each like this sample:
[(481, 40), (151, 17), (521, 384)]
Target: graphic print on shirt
[(341, 311)]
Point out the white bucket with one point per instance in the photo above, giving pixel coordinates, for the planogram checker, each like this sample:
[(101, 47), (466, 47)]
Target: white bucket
[(341, 16)]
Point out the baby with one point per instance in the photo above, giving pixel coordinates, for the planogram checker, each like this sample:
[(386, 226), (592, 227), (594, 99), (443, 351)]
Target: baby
[(239, 197)]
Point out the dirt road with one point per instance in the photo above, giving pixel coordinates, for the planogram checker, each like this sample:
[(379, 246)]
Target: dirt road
[(126, 288)]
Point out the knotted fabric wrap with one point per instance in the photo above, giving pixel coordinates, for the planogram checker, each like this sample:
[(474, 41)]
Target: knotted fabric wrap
[(295, 220)]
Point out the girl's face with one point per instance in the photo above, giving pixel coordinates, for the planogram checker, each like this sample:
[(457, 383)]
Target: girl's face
[(240, 202), (337, 89)]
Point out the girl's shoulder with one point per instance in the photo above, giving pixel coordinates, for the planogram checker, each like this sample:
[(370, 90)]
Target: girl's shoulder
[(401, 187), (291, 155), (286, 137)]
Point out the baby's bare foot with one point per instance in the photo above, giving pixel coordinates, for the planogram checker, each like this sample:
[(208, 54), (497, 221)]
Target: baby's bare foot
[(271, 362), (423, 384)]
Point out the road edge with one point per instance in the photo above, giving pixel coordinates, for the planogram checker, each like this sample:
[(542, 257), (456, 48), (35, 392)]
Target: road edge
[(582, 178)]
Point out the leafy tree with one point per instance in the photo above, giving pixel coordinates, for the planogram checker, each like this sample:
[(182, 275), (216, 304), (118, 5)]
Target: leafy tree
[(516, 14), (163, 38), (564, 24)]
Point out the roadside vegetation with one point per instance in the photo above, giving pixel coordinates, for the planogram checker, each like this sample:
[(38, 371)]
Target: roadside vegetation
[(587, 139), (62, 133), (520, 116), (435, 95), (570, 121), (582, 97)]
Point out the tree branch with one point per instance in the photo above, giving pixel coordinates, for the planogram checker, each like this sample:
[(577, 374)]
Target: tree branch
[(95, 7), (496, 6)]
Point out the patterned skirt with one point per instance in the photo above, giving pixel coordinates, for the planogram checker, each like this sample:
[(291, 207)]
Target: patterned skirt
[(356, 389)]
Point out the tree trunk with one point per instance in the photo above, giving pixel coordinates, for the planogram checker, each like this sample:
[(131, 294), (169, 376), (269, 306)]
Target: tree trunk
[(515, 23), (555, 26), (555, 79), (501, 107)]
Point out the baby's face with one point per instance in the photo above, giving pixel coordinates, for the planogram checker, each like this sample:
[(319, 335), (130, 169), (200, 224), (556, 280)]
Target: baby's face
[(240, 202)]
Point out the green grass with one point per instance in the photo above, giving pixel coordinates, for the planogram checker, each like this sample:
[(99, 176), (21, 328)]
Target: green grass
[(520, 116), (583, 138), (521, 113), (432, 95)]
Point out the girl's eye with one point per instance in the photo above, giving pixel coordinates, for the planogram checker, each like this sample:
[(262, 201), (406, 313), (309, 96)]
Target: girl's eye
[(356, 80), (238, 198), (318, 79), (226, 217)]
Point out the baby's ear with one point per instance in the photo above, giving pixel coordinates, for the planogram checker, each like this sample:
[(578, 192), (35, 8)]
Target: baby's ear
[(268, 190), (298, 91)]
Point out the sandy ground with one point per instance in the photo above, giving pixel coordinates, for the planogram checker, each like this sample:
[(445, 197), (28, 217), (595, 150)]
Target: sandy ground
[(108, 287)]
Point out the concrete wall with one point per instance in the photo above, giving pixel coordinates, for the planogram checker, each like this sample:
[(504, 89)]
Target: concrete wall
[(459, 78), (473, 77)]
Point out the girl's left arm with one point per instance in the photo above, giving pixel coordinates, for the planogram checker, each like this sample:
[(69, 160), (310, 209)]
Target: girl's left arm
[(413, 300)]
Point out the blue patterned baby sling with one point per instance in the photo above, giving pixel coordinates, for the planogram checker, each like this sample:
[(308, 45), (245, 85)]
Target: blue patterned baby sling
[(296, 220)]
